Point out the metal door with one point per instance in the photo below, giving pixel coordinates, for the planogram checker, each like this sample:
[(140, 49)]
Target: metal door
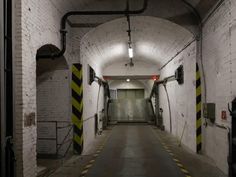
[(130, 110), (130, 93)]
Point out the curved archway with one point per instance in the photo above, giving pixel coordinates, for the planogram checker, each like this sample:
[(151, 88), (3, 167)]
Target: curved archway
[(53, 105), (154, 40)]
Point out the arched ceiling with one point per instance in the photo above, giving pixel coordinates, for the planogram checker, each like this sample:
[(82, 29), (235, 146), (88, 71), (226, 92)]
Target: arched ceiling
[(174, 10), (154, 40)]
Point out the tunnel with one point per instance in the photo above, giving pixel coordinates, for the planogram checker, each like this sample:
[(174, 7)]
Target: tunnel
[(128, 88)]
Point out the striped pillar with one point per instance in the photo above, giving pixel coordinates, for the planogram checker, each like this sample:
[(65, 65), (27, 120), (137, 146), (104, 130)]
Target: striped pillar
[(77, 107), (198, 110)]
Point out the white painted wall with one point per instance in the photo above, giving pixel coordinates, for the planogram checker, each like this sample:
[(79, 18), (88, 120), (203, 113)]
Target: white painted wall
[(182, 98), (219, 53), (53, 104), (90, 98), (155, 40), (36, 23), (140, 68)]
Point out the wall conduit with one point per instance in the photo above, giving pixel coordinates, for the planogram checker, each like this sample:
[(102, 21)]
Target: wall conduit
[(63, 30)]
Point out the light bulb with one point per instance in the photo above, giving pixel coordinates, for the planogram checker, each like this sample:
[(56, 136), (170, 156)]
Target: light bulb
[(131, 52)]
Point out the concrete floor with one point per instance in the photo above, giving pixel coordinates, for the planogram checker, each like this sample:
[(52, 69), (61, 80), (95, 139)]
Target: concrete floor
[(134, 151), (138, 151)]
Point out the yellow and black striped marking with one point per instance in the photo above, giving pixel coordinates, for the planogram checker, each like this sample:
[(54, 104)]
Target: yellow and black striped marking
[(77, 107), (198, 111), (91, 162), (175, 159), (173, 156)]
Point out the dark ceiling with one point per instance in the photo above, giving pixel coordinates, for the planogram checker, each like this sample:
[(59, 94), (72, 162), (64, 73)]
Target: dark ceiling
[(174, 10)]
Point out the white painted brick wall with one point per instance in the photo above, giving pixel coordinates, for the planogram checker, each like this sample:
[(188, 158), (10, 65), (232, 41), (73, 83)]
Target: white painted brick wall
[(90, 96), (37, 22), (182, 98), (140, 68), (54, 104), (219, 53)]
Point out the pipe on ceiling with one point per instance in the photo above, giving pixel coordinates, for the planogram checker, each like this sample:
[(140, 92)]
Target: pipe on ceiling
[(64, 19)]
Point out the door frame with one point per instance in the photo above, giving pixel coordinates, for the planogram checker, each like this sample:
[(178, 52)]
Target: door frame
[(6, 60)]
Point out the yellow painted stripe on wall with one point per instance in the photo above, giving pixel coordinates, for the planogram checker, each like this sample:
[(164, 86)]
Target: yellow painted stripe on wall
[(76, 88), (199, 107), (78, 139), (76, 72), (198, 91), (199, 139), (77, 105), (78, 123), (199, 123), (198, 76)]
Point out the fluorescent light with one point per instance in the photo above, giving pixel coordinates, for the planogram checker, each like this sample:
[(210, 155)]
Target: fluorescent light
[(128, 80), (131, 52)]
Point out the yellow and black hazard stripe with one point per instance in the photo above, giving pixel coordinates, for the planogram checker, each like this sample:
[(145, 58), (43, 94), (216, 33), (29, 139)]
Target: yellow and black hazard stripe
[(173, 156), (175, 159), (77, 107), (92, 161), (198, 110)]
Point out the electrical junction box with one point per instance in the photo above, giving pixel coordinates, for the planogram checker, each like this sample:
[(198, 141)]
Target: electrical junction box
[(91, 75), (209, 111), (179, 75)]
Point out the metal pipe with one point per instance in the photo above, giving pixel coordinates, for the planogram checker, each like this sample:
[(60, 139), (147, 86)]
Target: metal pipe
[(220, 2), (63, 30), (179, 52), (200, 38), (168, 100)]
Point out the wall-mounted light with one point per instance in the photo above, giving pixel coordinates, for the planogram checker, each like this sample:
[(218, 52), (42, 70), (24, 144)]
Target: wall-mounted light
[(131, 52), (128, 80)]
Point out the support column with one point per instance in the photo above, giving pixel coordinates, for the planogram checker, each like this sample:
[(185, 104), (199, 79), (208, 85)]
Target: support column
[(77, 107)]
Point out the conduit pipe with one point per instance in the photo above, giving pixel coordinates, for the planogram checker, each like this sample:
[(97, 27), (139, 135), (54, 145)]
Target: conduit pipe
[(64, 19)]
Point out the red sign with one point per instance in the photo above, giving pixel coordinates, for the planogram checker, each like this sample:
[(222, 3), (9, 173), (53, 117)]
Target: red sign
[(223, 115)]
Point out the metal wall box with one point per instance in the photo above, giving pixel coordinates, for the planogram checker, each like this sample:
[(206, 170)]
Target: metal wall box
[(209, 111)]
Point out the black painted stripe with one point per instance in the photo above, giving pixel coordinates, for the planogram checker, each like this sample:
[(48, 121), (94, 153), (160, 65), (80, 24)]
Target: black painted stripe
[(197, 68), (76, 96), (199, 99), (78, 148), (199, 115), (78, 66), (78, 131), (77, 80), (77, 113), (199, 131), (199, 147), (198, 83)]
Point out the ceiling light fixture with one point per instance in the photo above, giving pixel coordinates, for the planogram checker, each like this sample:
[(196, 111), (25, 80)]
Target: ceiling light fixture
[(131, 52), (128, 80), (130, 49)]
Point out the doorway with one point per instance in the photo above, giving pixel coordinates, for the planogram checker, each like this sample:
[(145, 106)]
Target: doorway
[(54, 126), (130, 106), (130, 93)]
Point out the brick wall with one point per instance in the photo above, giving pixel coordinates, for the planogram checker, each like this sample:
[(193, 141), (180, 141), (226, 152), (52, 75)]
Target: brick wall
[(219, 53), (37, 22), (182, 98)]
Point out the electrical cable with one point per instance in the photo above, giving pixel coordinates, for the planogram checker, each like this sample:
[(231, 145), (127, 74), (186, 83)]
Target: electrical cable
[(199, 18), (168, 100)]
